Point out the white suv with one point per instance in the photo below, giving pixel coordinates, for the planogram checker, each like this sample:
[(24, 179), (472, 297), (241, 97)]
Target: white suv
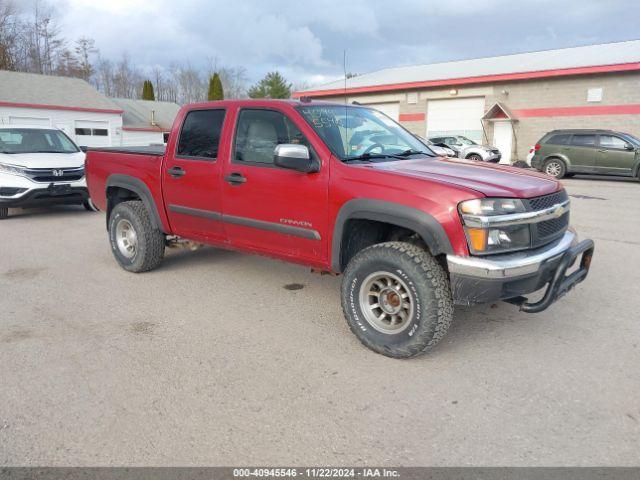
[(40, 166)]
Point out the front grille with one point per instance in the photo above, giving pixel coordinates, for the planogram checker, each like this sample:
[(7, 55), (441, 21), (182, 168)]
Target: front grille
[(546, 201), (550, 228), (48, 175)]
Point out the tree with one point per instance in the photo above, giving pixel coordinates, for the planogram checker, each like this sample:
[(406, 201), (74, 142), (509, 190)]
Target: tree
[(85, 47), (215, 88), (147, 91), (273, 85)]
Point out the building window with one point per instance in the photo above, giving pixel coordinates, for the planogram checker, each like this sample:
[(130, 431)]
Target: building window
[(96, 132), (594, 95)]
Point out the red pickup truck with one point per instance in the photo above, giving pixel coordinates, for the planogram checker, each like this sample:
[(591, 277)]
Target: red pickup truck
[(345, 189)]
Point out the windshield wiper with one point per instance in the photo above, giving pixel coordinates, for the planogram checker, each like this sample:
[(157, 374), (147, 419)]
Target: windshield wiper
[(8, 152), (406, 153), (50, 151), (367, 157)]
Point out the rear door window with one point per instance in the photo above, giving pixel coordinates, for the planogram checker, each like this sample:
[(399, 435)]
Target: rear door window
[(200, 134), (583, 140)]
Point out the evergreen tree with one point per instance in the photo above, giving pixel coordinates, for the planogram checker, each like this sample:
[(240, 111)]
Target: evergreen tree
[(147, 91), (273, 85), (215, 88)]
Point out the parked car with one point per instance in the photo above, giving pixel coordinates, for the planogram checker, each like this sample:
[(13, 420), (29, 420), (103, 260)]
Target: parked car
[(441, 150), (412, 234), (40, 166), (467, 148), (563, 153), (532, 152)]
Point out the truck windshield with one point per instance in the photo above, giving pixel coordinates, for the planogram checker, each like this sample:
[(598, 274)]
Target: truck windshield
[(35, 140), (360, 133)]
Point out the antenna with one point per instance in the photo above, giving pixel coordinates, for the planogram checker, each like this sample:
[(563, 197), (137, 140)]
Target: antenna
[(346, 111), (344, 68)]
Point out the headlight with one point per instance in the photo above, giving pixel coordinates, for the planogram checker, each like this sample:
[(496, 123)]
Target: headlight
[(12, 169), (484, 240)]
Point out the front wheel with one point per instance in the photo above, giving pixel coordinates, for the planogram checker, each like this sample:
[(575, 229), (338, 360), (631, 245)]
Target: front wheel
[(396, 299), (4, 212), (475, 157), (136, 243)]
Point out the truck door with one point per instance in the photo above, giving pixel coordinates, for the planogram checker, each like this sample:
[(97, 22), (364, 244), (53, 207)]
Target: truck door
[(192, 176), (268, 208), (615, 155)]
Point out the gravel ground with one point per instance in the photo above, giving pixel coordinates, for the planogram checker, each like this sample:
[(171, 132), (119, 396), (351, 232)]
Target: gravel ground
[(209, 360)]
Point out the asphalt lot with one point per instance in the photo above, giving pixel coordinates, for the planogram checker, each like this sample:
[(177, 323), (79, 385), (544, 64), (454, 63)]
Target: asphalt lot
[(211, 361)]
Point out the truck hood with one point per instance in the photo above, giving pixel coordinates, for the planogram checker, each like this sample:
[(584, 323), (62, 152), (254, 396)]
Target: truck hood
[(44, 160), (488, 179)]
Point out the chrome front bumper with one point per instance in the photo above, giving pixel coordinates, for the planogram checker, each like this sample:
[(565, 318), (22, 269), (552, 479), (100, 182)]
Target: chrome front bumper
[(511, 276)]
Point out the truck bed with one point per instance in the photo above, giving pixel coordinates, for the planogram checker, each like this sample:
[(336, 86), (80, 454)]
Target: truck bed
[(155, 150)]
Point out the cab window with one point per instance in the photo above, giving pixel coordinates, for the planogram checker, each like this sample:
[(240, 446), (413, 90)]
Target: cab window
[(260, 131)]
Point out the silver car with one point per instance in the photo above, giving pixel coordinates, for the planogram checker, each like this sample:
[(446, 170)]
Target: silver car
[(466, 148), (439, 150)]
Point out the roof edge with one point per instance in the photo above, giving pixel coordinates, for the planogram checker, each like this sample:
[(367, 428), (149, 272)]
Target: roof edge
[(619, 67), (61, 107)]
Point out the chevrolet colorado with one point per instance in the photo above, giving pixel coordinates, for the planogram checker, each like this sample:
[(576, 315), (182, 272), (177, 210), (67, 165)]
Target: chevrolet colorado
[(411, 233)]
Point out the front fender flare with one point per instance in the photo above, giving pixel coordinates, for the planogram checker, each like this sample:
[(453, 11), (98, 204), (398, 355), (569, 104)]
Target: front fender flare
[(424, 224)]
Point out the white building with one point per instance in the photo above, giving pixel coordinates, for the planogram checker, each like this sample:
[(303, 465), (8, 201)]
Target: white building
[(69, 104), (83, 113), (146, 122)]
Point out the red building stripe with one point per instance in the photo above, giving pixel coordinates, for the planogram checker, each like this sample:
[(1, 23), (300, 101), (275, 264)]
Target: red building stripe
[(60, 107), (411, 117), (145, 129), (631, 109), (620, 67)]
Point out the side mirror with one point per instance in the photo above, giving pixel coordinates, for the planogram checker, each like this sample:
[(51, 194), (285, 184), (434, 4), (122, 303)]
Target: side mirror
[(628, 146), (294, 157), (84, 148)]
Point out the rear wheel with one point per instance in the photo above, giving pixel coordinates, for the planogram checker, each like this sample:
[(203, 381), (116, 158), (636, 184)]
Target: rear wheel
[(135, 242), (4, 212), (396, 299), (555, 168)]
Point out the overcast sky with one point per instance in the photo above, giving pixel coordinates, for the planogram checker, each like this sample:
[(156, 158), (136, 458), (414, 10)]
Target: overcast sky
[(305, 39)]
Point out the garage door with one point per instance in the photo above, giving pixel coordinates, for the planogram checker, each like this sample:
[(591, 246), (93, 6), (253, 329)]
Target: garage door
[(91, 133), (391, 109), (40, 121), (459, 116)]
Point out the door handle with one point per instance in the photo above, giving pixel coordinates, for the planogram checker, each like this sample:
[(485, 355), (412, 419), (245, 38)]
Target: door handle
[(235, 178), (176, 172)]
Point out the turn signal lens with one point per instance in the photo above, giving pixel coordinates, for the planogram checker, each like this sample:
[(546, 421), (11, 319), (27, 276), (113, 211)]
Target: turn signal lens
[(477, 239)]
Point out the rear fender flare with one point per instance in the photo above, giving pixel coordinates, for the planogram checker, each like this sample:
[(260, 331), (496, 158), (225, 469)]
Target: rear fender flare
[(138, 187), (424, 224)]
